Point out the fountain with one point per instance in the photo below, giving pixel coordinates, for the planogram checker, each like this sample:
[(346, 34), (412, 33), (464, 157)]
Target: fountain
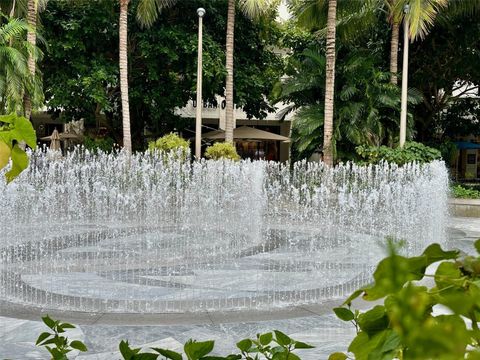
[(154, 234)]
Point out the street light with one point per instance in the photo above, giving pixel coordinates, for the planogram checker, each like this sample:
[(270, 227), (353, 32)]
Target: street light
[(403, 113), (198, 117)]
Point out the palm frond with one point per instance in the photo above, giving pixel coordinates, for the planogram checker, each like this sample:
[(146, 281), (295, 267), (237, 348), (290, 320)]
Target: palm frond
[(421, 15), (13, 29), (149, 10), (255, 8)]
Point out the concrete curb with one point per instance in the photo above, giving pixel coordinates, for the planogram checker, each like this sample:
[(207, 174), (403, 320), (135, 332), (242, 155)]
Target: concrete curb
[(464, 207)]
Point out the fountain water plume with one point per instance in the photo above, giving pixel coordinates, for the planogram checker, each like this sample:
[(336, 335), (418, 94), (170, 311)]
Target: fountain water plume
[(155, 233)]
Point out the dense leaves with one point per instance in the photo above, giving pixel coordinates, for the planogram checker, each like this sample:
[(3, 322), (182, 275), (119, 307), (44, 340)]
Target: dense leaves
[(406, 326), (15, 77), (270, 346), (14, 130), (444, 67), (222, 150), (411, 152), (366, 103), (81, 76)]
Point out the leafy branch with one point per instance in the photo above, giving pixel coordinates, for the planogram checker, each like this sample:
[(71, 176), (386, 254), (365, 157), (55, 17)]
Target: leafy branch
[(13, 131)]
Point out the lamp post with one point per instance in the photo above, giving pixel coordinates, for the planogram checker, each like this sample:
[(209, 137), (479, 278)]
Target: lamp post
[(403, 113), (198, 117)]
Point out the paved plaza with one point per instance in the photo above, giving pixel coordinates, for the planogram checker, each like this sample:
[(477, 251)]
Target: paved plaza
[(102, 332)]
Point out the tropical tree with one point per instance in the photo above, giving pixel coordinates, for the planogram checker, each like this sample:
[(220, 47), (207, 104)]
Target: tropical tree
[(15, 78), (311, 14), (366, 103), (123, 64), (147, 13), (355, 16), (421, 18), (329, 84), (252, 8), (33, 6), (28, 9)]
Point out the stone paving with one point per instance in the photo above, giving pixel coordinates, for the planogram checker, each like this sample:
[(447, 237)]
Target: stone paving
[(102, 332)]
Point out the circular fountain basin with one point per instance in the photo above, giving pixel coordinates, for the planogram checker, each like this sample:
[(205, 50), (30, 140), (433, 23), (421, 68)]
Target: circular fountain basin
[(141, 270), (110, 233)]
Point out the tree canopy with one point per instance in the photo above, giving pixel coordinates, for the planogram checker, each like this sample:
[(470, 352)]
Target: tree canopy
[(81, 75)]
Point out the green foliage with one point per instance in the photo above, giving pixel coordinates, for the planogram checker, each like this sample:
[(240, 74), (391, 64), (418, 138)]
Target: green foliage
[(170, 142), (443, 67), (15, 129), (411, 152), (404, 326), (104, 144), (458, 191), (223, 150), (81, 60), (81, 63), (15, 77), (55, 342), (272, 346), (449, 151), (366, 103)]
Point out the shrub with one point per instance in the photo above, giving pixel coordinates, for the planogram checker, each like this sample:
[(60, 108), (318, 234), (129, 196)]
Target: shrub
[(411, 152), (405, 326), (105, 144), (458, 191), (170, 143), (223, 150)]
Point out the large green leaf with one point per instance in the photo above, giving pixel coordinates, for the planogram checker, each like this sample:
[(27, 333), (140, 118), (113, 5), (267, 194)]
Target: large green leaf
[(344, 313), (78, 345), (5, 153), (196, 350), (374, 320), (23, 131), (169, 354), (19, 163)]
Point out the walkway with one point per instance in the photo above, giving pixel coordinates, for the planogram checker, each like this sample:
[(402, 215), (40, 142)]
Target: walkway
[(102, 333)]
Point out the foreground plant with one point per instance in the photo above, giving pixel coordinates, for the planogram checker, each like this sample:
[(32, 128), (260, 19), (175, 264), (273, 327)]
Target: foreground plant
[(14, 130), (55, 342), (406, 326), (270, 346)]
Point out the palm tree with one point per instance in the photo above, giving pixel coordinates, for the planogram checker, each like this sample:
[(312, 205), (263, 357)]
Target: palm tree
[(28, 9), (421, 17), (366, 109), (32, 13), (329, 83), (147, 13), (123, 63), (355, 15), (311, 14), (15, 78), (251, 8)]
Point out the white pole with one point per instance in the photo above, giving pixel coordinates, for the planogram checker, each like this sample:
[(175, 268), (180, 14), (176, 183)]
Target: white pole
[(403, 114), (198, 117)]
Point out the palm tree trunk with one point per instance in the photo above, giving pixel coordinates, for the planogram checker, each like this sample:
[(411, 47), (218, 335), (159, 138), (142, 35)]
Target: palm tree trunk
[(329, 84), (123, 35), (394, 53), (229, 66), (32, 40)]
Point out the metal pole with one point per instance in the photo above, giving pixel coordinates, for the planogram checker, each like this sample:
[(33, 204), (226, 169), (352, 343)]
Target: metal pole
[(403, 114), (198, 117)]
